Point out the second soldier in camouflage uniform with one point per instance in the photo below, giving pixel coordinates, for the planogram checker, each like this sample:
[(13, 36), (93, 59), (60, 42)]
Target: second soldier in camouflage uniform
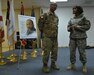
[(78, 25), (48, 25)]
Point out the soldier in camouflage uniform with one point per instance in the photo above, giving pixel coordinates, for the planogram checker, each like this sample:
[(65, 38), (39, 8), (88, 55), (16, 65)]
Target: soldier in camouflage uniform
[(78, 25), (48, 25)]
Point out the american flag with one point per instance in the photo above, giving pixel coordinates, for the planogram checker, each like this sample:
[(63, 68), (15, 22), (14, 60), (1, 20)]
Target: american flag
[(23, 41), (10, 23), (1, 26), (22, 9), (33, 12)]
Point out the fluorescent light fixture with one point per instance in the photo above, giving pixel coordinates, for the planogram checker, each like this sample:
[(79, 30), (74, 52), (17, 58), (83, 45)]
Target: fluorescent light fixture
[(58, 0)]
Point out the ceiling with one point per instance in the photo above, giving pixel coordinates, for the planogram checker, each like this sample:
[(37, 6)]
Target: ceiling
[(45, 3)]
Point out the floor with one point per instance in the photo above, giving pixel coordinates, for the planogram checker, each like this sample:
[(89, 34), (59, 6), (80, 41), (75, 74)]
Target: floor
[(33, 66)]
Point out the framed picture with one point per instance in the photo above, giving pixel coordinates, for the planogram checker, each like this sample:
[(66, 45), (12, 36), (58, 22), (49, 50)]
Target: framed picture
[(27, 27)]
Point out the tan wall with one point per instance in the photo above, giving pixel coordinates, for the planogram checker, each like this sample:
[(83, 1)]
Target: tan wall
[(17, 12)]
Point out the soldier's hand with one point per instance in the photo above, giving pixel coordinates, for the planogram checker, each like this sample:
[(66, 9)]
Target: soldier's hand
[(74, 26), (41, 16), (78, 26)]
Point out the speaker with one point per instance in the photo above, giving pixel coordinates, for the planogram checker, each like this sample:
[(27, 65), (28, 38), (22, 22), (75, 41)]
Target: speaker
[(17, 33), (18, 43), (18, 36), (29, 44)]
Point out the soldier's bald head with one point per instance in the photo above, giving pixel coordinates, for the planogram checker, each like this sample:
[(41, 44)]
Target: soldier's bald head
[(53, 3)]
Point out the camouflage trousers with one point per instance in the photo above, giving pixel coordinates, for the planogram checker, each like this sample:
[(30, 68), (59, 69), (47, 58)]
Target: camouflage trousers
[(49, 45), (81, 45)]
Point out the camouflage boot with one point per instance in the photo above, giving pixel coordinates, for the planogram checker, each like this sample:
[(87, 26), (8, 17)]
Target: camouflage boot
[(71, 67), (46, 68), (84, 68), (54, 66)]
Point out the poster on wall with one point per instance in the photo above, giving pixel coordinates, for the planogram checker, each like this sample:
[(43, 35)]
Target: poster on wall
[(27, 27)]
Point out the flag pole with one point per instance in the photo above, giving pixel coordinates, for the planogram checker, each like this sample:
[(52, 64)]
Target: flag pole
[(24, 53), (10, 23), (2, 62), (10, 52), (23, 41), (12, 57), (34, 51), (41, 33), (34, 41)]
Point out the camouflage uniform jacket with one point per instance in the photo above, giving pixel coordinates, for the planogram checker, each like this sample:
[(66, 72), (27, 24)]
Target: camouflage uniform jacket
[(79, 32), (48, 24)]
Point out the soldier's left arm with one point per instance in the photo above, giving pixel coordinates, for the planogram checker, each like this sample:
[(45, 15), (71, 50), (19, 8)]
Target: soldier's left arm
[(86, 26)]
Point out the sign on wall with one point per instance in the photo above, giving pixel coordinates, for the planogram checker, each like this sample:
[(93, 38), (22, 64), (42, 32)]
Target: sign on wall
[(27, 27)]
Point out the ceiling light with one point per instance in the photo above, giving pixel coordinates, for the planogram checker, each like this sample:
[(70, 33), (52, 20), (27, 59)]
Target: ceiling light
[(58, 0)]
